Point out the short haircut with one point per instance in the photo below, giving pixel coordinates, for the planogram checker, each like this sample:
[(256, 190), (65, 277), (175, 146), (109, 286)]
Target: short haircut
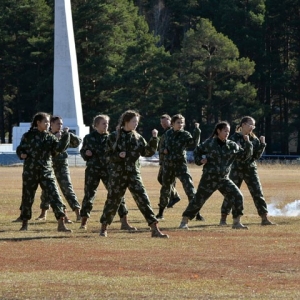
[(99, 118), (177, 117), (165, 116)]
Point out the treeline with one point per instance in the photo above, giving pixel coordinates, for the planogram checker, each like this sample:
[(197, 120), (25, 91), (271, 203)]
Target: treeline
[(208, 59)]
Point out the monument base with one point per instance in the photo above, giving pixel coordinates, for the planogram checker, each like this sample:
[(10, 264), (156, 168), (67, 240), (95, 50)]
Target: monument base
[(80, 131), (18, 132)]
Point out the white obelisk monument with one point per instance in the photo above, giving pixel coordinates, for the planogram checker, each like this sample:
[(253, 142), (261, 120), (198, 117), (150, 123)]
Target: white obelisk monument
[(66, 90)]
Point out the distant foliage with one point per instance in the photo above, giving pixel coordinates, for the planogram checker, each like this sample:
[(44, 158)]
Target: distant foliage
[(206, 59)]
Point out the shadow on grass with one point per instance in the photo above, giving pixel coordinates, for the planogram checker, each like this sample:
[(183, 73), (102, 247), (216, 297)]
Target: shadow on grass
[(127, 232), (21, 239)]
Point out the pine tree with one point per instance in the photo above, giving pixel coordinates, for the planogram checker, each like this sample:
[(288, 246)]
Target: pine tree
[(215, 75), (120, 64), (25, 39)]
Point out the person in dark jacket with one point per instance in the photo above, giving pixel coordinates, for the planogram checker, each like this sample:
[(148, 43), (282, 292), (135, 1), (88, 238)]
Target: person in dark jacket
[(36, 148), (123, 149), (165, 122), (217, 155), (173, 148), (97, 169), (246, 170), (62, 173)]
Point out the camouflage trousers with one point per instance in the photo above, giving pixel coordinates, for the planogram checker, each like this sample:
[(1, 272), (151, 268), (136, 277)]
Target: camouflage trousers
[(174, 194), (45, 178), (208, 184), (63, 178), (118, 183), (170, 171), (93, 176), (251, 178)]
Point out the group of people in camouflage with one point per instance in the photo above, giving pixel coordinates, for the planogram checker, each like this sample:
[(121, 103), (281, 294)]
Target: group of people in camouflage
[(97, 169), (62, 173), (114, 159)]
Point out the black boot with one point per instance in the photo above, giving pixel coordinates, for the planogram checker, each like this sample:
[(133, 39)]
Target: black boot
[(77, 212), (199, 217), (172, 202), (83, 223), (223, 220), (24, 225), (160, 215), (265, 221), (103, 230)]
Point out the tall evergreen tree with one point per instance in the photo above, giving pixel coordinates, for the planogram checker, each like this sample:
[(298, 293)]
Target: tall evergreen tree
[(25, 39), (120, 65), (147, 78), (170, 19), (282, 70), (215, 75), (243, 23)]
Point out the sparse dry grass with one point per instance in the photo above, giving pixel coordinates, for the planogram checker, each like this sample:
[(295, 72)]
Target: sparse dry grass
[(206, 262)]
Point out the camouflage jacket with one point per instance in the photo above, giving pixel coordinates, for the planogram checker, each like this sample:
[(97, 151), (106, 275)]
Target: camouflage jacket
[(95, 142), (40, 146), (220, 158), (258, 150), (75, 141), (134, 145), (176, 143), (159, 148)]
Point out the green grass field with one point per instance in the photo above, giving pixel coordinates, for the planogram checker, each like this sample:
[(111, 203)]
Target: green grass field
[(205, 262)]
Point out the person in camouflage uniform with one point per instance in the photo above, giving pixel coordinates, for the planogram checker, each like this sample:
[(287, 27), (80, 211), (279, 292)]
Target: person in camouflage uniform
[(123, 149), (97, 168), (62, 173), (247, 171), (217, 155), (165, 121), (36, 148), (173, 148)]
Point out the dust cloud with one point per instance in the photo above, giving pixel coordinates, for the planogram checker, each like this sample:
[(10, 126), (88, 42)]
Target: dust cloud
[(289, 210)]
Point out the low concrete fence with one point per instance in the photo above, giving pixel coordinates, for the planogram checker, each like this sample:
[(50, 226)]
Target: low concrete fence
[(75, 159)]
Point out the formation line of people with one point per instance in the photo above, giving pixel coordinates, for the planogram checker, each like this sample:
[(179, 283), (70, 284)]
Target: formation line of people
[(113, 158)]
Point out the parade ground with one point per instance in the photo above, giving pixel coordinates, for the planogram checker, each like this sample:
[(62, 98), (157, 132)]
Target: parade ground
[(205, 262)]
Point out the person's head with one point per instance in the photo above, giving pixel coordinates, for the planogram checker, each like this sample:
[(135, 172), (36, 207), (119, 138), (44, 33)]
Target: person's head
[(129, 120), (246, 125), (178, 122), (165, 121), (221, 130), (41, 121), (100, 123), (56, 124)]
